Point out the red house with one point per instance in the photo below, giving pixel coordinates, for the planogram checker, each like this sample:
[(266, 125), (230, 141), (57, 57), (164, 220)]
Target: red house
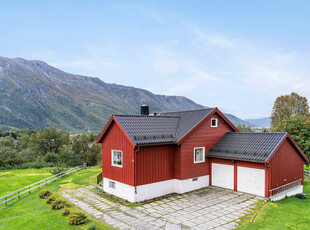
[(146, 156)]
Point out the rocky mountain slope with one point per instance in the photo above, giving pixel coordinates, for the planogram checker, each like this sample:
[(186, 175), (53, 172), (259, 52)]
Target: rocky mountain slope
[(36, 95)]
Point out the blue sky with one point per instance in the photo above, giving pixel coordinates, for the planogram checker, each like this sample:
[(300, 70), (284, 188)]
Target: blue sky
[(235, 55)]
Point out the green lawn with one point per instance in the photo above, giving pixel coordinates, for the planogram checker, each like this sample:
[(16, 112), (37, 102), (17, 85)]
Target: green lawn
[(30, 212), (289, 213), (11, 180)]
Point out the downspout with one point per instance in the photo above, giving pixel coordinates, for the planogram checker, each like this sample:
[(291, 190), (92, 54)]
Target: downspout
[(135, 169)]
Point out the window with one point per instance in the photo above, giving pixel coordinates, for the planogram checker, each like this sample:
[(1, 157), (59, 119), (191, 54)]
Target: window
[(111, 184), (213, 122), (199, 154), (195, 179), (117, 158)]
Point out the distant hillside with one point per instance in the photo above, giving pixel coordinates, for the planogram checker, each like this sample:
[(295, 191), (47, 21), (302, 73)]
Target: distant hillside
[(262, 122), (36, 95), (237, 121)]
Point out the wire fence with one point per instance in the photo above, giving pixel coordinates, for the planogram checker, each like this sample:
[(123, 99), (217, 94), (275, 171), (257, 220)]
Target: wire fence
[(29, 188)]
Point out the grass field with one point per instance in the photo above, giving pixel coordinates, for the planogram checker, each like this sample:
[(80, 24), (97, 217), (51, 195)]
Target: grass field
[(30, 212), (289, 213)]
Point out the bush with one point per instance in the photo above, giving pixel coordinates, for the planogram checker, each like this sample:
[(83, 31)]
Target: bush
[(50, 199), (92, 227), (52, 158), (57, 170), (44, 193), (65, 212), (59, 203), (77, 217)]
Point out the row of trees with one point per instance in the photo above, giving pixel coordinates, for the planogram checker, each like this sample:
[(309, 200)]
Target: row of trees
[(50, 147)]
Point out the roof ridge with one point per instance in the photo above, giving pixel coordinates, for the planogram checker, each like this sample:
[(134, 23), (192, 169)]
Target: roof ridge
[(210, 108), (260, 132), (136, 115)]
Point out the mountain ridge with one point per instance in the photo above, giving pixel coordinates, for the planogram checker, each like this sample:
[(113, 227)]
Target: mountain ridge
[(36, 95)]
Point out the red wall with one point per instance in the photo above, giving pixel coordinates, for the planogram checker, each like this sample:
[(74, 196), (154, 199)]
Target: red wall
[(287, 164), (116, 140), (204, 136), (155, 163)]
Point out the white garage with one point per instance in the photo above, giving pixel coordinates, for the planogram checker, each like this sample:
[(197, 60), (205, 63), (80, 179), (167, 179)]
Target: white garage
[(251, 180), (222, 175)]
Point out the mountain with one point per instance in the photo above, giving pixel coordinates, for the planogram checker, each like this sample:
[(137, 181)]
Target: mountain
[(261, 122), (36, 95), (237, 121)]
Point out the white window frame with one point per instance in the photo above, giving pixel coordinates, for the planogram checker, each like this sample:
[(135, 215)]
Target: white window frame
[(203, 155), (120, 166), (112, 184), (216, 122)]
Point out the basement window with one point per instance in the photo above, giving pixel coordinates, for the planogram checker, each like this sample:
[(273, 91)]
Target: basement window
[(213, 122), (117, 158), (199, 155), (111, 184)]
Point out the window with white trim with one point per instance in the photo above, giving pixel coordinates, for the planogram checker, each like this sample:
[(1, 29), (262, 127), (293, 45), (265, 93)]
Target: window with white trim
[(199, 154), (117, 158), (111, 184), (213, 122)]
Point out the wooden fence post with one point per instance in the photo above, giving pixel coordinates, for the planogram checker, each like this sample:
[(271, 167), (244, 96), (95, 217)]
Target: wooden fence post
[(84, 165)]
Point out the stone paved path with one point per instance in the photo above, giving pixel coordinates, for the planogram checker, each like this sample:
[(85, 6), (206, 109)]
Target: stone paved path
[(207, 208)]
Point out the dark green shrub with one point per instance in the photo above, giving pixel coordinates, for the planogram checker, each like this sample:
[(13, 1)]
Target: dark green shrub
[(65, 212), (44, 193), (92, 227), (50, 199), (59, 203), (57, 170), (77, 217), (51, 157)]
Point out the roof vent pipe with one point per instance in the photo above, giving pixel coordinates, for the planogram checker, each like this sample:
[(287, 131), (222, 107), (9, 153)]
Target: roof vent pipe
[(145, 109)]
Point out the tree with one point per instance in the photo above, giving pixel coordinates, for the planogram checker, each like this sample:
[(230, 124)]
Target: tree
[(244, 128), (299, 128), (287, 106)]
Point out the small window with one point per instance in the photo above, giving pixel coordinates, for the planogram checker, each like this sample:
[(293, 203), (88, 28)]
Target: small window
[(213, 122), (117, 158), (195, 179), (199, 154), (111, 184)]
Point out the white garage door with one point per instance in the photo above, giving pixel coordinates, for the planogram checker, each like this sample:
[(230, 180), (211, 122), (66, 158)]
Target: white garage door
[(222, 175), (251, 180)]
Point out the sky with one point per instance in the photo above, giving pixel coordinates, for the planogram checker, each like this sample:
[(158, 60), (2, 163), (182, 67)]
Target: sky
[(238, 56)]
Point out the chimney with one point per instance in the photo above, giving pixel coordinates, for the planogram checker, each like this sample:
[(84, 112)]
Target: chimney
[(144, 109)]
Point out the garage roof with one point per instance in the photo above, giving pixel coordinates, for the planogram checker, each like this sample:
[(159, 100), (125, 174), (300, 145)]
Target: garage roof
[(247, 146)]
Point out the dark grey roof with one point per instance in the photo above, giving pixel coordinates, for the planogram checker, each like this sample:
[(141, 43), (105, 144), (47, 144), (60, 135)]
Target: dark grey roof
[(162, 128), (188, 120), (149, 129), (247, 146)]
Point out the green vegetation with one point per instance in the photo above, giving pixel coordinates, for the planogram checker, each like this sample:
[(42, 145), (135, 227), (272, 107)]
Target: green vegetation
[(289, 213), (47, 148), (299, 128), (11, 180), (77, 217), (31, 212), (244, 128), (44, 193), (288, 106)]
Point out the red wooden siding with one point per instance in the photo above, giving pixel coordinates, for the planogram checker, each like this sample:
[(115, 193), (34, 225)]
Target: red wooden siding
[(155, 163), (286, 164), (117, 140), (204, 136)]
